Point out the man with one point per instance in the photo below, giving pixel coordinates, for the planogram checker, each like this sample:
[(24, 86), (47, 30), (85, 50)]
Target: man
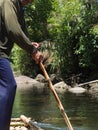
[(12, 30)]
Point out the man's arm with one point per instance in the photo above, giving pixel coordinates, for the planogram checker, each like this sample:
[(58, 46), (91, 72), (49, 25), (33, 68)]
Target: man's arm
[(13, 27)]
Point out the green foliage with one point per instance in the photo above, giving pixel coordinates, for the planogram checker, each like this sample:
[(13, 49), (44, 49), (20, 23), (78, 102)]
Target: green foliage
[(87, 46), (77, 38), (14, 58), (71, 25), (37, 15), (67, 37), (22, 62)]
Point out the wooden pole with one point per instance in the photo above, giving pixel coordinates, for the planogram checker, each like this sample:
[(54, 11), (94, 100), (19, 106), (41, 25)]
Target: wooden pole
[(56, 97)]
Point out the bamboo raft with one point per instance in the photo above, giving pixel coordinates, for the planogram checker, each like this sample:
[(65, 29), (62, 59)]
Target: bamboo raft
[(23, 123)]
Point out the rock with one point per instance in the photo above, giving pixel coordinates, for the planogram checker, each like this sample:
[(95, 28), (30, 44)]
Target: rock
[(77, 90), (23, 79), (94, 91), (55, 78), (25, 83), (61, 87), (40, 78)]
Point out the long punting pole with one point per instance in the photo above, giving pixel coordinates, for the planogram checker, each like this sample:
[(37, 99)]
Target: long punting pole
[(56, 97)]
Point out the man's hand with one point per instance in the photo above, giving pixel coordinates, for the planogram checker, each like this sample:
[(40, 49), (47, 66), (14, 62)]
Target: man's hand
[(37, 56), (36, 45)]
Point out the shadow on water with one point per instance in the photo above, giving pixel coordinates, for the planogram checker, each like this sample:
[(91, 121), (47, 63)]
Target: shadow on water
[(82, 110)]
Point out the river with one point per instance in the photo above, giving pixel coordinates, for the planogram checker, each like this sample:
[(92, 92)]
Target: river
[(82, 110)]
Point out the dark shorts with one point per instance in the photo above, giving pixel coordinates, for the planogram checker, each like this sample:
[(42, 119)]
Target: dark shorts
[(7, 93)]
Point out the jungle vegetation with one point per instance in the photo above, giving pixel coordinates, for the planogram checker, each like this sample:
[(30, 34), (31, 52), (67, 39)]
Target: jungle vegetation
[(72, 27)]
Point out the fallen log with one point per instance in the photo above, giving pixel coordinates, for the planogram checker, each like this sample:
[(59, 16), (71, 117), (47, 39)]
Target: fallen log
[(87, 83)]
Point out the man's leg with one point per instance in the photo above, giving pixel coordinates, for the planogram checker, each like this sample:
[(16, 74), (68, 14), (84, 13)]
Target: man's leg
[(7, 93)]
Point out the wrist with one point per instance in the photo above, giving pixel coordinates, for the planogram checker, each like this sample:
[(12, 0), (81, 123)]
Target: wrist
[(34, 50)]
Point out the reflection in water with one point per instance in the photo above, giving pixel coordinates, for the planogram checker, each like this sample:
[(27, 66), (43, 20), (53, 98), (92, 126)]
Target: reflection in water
[(81, 109)]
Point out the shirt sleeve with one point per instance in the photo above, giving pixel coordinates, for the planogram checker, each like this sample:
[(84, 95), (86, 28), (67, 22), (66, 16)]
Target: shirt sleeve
[(14, 28)]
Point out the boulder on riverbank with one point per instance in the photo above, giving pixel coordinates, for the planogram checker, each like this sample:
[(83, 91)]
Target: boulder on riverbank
[(77, 90), (94, 89), (25, 83), (91, 87), (61, 87)]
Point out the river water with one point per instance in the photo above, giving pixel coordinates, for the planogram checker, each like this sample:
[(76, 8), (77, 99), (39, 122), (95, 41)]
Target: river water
[(82, 110)]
